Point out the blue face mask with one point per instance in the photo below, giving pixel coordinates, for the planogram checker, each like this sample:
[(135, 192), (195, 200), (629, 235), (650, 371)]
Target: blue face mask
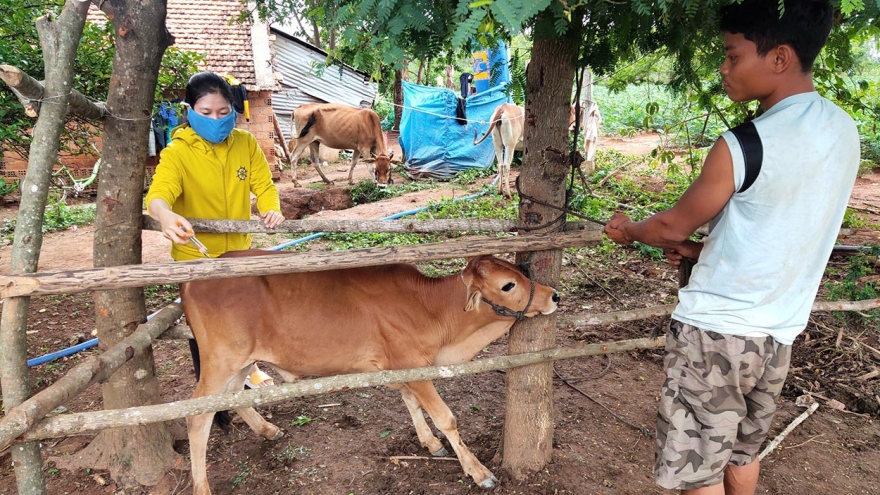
[(212, 130)]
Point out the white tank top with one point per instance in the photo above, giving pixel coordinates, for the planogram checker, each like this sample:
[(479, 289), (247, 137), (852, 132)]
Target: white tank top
[(763, 260)]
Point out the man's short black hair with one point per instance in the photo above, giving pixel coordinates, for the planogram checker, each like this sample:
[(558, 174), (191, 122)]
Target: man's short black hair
[(804, 26)]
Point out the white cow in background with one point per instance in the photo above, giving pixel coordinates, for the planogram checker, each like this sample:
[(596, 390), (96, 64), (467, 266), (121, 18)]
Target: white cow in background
[(506, 128), (590, 127)]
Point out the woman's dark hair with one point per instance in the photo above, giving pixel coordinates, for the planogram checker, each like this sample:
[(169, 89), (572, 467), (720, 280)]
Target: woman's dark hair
[(804, 25), (205, 83)]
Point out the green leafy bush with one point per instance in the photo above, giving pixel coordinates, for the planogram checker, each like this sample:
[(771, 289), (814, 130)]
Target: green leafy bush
[(8, 188)]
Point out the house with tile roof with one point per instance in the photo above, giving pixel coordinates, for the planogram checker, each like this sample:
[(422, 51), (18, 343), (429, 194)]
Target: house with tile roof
[(278, 70), (242, 50)]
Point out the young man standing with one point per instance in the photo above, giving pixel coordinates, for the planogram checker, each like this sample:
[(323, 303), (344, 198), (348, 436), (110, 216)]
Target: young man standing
[(774, 192)]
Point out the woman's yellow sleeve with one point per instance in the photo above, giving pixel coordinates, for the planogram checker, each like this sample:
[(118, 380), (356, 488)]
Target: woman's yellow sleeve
[(261, 180)]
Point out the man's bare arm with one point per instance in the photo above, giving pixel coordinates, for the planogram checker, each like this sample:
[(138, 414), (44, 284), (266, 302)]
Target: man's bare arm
[(703, 200)]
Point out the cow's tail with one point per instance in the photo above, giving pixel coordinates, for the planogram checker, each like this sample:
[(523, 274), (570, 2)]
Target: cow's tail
[(222, 418), (494, 120), (309, 123), (488, 131)]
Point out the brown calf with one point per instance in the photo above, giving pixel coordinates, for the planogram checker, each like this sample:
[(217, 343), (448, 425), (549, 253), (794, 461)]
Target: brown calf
[(354, 320)]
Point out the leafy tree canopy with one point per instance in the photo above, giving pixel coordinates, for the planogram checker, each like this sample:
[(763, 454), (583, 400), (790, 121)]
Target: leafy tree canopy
[(372, 34), (20, 47)]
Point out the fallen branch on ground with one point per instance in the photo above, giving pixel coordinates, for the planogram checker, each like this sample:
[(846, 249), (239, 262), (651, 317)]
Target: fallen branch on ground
[(396, 458), (779, 438)]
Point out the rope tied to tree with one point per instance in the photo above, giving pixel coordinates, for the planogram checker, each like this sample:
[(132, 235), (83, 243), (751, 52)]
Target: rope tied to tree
[(560, 219)]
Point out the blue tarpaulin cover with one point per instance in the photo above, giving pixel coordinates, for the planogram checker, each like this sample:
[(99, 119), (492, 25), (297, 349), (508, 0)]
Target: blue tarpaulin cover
[(435, 145)]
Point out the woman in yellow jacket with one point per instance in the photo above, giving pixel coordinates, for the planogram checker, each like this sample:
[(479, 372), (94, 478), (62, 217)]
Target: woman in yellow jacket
[(209, 170)]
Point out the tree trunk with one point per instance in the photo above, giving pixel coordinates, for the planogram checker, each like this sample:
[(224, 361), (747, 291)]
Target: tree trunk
[(399, 77), (59, 40), (316, 35), (528, 427), (142, 454)]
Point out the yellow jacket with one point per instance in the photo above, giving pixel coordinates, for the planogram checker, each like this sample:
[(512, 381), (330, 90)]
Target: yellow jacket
[(213, 181)]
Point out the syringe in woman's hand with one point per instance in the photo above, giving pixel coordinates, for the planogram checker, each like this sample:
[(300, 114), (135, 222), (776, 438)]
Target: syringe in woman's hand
[(195, 242)]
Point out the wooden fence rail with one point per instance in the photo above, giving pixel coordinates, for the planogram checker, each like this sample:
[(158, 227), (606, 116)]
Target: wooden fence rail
[(349, 226), (120, 277), (92, 370), (89, 422)]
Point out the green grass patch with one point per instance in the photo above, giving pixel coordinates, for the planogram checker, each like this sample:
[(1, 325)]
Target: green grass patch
[(851, 287), (58, 216)]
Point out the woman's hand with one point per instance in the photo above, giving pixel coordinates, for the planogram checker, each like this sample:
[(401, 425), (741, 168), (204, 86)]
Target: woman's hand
[(272, 219), (175, 228)]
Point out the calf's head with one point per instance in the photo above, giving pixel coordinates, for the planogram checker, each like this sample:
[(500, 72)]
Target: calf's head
[(509, 292)]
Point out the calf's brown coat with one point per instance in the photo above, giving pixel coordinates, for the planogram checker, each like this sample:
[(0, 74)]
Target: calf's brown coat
[(354, 320)]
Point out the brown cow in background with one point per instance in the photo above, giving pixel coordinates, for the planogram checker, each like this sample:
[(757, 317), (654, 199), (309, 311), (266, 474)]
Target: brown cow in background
[(340, 127)]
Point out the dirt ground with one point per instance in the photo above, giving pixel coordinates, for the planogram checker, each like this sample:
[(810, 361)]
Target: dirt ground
[(362, 441)]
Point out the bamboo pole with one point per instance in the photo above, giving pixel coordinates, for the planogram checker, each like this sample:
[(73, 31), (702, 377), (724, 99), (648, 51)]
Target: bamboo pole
[(72, 281), (89, 422), (94, 369), (309, 225)]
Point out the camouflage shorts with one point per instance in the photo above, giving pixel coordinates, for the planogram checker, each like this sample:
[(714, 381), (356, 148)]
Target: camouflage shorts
[(716, 405)]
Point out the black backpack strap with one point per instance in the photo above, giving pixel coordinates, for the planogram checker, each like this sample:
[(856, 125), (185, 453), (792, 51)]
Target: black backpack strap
[(753, 152)]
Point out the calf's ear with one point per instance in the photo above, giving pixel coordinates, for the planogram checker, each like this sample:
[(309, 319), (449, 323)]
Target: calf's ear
[(473, 299)]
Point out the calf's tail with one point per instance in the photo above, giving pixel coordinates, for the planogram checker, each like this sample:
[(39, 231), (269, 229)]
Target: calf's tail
[(488, 131)]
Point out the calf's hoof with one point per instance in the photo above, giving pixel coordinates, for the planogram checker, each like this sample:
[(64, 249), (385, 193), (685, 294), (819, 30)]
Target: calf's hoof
[(440, 453), (271, 432), (490, 482)]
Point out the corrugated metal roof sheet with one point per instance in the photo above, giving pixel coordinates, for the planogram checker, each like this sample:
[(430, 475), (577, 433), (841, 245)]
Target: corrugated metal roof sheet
[(295, 60)]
